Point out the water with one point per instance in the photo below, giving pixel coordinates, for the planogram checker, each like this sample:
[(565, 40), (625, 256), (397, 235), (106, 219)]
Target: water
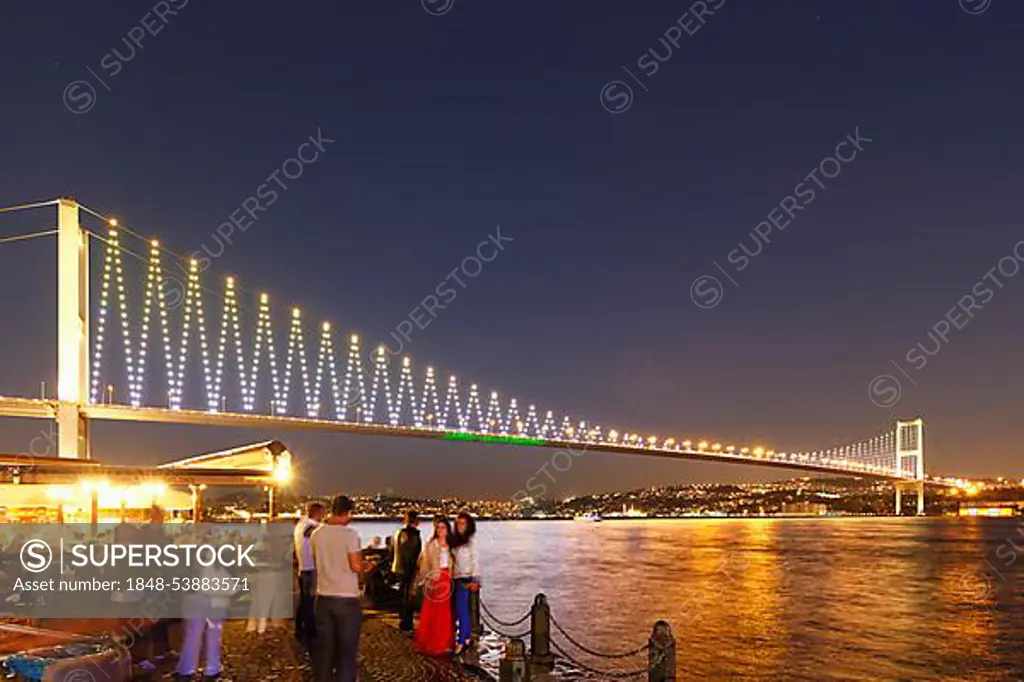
[(774, 599)]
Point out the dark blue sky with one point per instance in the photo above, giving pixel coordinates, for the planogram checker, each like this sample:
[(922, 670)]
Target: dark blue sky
[(492, 114)]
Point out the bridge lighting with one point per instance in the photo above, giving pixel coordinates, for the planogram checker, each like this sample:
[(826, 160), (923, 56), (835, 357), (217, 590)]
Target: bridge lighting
[(531, 420), (499, 418)]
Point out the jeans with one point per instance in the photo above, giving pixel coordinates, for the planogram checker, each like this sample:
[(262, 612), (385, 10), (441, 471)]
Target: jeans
[(338, 620), (305, 619), (462, 597), (406, 603)]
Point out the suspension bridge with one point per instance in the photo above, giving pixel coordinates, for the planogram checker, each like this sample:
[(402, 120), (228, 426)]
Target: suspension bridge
[(210, 353)]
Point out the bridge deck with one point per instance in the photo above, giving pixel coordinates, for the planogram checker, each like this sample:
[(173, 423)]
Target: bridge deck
[(21, 407)]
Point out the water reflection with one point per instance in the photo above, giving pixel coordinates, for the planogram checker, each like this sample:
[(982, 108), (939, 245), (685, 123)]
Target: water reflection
[(854, 599)]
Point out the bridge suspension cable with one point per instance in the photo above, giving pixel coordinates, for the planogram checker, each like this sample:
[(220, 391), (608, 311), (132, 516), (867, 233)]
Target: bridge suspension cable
[(31, 235), (25, 207), (316, 373)]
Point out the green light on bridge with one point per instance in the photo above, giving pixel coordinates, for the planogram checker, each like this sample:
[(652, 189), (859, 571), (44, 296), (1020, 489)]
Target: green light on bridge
[(480, 438)]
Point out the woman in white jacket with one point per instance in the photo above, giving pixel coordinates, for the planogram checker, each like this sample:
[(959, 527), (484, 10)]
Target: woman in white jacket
[(467, 576)]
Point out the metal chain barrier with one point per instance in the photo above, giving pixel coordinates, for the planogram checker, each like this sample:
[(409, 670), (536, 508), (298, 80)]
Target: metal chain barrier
[(507, 635), (598, 654), (605, 674), (501, 622), (547, 643)]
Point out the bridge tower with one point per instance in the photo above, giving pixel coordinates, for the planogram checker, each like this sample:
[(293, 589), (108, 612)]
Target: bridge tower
[(910, 446), (72, 332)]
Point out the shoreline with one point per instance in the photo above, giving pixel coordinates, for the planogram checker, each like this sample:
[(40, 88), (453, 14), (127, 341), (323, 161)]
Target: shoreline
[(695, 517)]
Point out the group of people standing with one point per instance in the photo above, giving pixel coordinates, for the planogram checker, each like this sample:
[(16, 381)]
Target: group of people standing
[(445, 571)]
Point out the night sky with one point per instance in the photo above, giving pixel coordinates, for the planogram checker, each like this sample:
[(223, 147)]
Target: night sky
[(449, 121)]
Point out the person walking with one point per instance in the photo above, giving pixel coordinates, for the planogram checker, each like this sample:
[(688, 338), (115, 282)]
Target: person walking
[(434, 635), (305, 621), (338, 561), (205, 611), (407, 548), (467, 576)]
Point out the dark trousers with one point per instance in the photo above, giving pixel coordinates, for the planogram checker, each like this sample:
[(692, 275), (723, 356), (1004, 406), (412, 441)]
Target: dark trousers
[(462, 615), (338, 620), (305, 620), (406, 602)]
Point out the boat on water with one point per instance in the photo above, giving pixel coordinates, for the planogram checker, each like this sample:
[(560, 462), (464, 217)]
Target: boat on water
[(587, 518)]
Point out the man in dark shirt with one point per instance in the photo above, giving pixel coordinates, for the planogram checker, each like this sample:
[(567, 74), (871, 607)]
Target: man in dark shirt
[(407, 547)]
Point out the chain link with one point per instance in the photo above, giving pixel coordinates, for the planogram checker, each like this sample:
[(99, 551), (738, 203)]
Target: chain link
[(501, 622), (505, 634), (598, 654), (605, 674), (489, 619)]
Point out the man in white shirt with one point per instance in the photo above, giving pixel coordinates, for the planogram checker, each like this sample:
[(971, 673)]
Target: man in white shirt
[(339, 561), (305, 622)]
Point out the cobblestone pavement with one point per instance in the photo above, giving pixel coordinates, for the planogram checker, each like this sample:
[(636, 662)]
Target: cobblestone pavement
[(385, 655)]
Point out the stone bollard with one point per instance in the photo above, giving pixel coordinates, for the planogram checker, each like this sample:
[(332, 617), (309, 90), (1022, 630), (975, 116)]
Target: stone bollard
[(540, 634), (661, 658), (514, 667)]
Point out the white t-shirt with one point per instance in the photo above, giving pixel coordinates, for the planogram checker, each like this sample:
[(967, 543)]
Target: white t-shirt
[(303, 550), (331, 545), (444, 558)]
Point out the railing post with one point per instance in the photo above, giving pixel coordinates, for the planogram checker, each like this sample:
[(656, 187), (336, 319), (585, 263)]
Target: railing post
[(514, 667), (540, 633), (661, 657)]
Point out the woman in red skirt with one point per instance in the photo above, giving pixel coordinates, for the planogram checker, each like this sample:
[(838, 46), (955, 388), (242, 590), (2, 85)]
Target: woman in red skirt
[(435, 635)]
